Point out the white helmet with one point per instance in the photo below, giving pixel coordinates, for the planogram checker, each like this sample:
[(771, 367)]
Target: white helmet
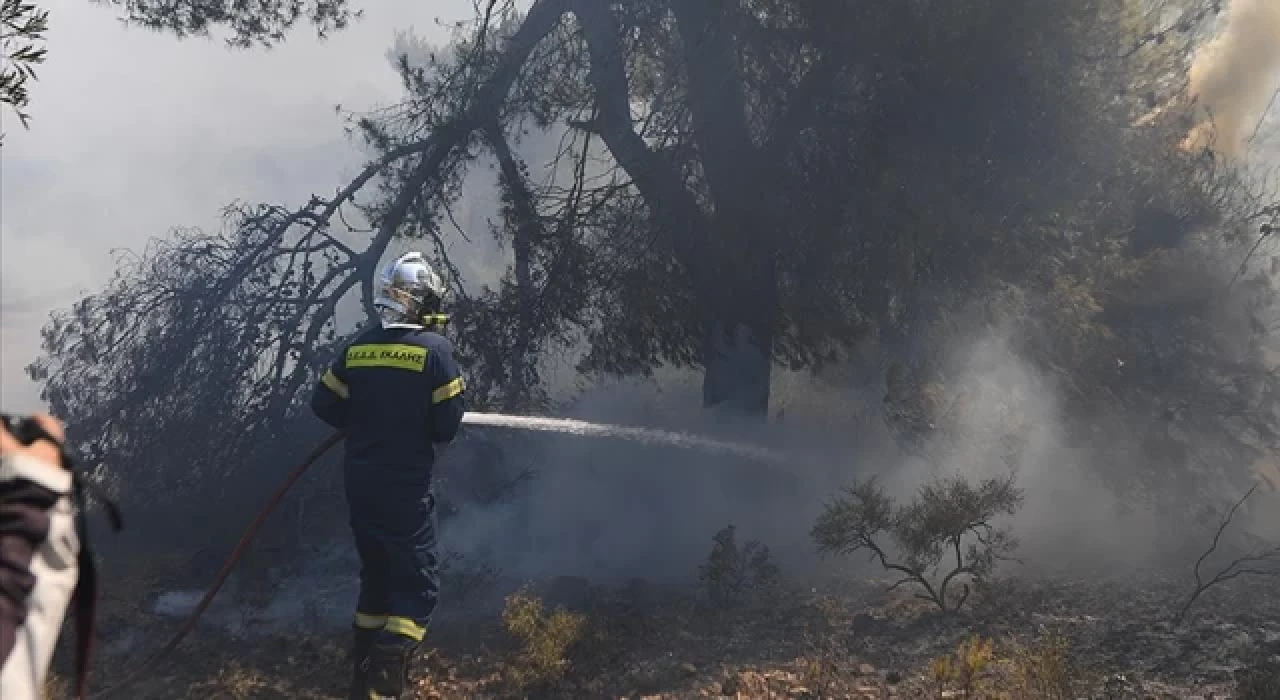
[(409, 290)]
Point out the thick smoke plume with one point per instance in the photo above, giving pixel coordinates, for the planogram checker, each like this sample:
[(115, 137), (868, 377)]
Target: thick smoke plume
[(1234, 76)]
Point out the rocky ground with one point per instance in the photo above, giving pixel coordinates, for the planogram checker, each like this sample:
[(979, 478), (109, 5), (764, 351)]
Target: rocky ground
[(853, 640)]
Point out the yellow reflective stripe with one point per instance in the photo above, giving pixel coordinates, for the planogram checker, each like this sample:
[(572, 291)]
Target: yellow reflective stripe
[(394, 355), (405, 627), (370, 622), (336, 385), (448, 391)]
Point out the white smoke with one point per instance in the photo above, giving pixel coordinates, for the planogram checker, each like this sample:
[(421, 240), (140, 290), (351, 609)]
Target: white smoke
[(1236, 75)]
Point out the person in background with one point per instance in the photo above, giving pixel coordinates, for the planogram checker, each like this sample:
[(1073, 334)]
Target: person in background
[(39, 550)]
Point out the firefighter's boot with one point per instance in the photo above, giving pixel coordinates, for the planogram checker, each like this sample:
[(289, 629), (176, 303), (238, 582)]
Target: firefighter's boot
[(388, 670), (362, 645)]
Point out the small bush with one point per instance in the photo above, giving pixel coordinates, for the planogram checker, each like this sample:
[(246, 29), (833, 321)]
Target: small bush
[(963, 671), (1043, 671), (946, 528), (545, 641), (733, 574)]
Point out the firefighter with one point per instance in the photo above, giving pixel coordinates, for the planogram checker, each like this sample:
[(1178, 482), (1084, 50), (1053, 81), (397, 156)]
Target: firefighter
[(397, 392)]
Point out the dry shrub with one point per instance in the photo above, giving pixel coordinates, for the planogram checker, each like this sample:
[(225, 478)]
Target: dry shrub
[(964, 671), (545, 641), (1040, 671), (1043, 671)]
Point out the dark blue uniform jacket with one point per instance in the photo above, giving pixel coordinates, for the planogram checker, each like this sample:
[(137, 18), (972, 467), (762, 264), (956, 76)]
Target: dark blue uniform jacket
[(396, 391)]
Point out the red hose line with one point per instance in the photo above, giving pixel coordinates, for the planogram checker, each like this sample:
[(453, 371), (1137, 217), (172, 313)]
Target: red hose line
[(223, 573)]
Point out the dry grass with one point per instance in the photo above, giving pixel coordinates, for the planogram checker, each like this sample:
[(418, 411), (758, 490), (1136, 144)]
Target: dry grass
[(980, 670)]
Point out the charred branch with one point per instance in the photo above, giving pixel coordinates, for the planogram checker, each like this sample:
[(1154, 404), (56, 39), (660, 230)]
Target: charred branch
[(1261, 561)]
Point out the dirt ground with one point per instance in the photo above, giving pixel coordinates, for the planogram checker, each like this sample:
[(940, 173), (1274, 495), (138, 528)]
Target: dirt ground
[(854, 640)]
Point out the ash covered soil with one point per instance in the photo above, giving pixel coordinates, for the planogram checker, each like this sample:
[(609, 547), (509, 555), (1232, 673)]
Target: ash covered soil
[(855, 639)]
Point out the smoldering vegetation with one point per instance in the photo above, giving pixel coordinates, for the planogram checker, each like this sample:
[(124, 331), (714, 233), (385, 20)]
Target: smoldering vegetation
[(1010, 263)]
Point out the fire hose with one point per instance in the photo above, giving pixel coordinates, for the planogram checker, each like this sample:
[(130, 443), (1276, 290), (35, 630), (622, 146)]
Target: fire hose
[(225, 571)]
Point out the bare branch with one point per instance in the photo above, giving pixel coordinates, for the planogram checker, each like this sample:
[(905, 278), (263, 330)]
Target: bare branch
[(1236, 568)]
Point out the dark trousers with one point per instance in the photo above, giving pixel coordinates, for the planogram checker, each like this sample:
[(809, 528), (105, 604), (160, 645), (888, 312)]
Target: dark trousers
[(395, 534)]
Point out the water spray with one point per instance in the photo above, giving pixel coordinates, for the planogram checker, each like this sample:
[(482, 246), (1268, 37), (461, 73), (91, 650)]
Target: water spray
[(563, 426), (650, 436)]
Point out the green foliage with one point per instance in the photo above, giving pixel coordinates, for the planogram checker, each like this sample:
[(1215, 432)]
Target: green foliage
[(22, 28), (945, 534), (733, 575), (263, 23), (545, 641)]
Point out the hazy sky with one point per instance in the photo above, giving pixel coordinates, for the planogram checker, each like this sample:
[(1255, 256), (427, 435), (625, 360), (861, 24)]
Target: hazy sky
[(135, 133)]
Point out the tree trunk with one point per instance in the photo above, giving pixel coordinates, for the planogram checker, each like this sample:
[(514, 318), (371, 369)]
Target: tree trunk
[(738, 355), (737, 369), (737, 352)]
